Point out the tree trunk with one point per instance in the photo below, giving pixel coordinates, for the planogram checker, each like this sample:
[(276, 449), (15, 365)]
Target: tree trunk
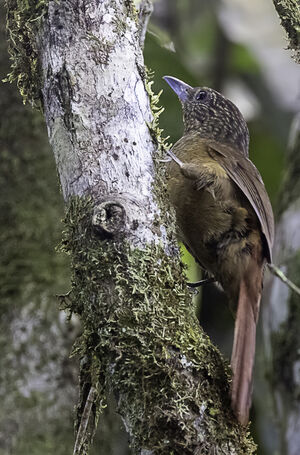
[(38, 381), (289, 13), (83, 60)]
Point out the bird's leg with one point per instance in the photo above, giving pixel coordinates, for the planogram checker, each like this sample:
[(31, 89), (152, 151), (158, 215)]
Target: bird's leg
[(193, 172), (171, 157), (174, 158), (167, 160)]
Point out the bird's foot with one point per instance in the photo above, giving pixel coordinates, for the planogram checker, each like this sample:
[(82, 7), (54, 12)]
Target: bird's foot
[(167, 160), (174, 158)]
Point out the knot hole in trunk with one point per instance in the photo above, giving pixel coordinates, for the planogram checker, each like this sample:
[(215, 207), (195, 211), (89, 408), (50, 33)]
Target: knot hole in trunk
[(108, 219)]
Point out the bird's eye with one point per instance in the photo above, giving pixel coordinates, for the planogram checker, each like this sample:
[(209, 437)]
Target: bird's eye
[(201, 96)]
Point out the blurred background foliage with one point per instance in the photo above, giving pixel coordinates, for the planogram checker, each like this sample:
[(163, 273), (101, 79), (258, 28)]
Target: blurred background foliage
[(234, 46)]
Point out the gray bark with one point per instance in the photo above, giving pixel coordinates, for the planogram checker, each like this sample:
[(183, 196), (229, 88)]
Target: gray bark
[(81, 94), (140, 335)]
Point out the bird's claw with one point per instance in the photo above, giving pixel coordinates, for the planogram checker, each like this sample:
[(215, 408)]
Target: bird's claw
[(174, 158), (167, 160), (197, 284)]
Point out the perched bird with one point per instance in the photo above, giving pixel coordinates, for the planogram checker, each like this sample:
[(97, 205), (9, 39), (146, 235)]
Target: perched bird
[(224, 216)]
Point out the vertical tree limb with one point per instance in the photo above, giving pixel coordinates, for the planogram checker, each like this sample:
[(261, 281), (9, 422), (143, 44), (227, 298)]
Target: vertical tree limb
[(289, 13)]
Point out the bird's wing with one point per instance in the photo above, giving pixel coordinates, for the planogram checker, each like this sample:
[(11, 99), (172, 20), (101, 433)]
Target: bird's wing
[(243, 172)]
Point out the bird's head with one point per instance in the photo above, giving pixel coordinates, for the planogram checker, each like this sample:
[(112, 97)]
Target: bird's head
[(211, 114)]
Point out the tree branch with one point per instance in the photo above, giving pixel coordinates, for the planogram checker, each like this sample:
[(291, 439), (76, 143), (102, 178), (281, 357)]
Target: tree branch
[(145, 11), (289, 13), (277, 272), (82, 435)]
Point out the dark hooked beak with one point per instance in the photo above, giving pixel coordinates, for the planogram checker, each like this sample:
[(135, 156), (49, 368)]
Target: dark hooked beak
[(180, 88)]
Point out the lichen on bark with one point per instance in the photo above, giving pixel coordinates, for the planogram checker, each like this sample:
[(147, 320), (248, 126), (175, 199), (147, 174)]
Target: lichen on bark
[(23, 23), (289, 13)]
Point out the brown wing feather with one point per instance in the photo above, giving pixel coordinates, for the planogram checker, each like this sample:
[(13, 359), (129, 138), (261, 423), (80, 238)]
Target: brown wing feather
[(249, 181)]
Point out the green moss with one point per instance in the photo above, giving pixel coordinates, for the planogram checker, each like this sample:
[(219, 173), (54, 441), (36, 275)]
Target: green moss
[(155, 130), (289, 13), (286, 341), (24, 18), (23, 24), (162, 145), (101, 48), (120, 21), (131, 9), (139, 325)]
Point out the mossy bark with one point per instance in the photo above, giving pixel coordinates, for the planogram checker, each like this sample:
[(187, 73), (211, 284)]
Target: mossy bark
[(140, 336), (281, 315), (289, 13)]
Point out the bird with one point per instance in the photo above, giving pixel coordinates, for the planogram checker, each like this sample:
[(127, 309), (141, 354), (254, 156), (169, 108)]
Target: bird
[(224, 216)]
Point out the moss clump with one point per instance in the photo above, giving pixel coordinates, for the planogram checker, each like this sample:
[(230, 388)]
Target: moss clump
[(23, 24), (286, 342), (160, 187), (139, 325), (131, 9), (155, 130), (289, 13)]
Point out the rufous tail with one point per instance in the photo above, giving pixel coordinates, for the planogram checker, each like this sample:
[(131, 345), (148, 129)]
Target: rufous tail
[(243, 351)]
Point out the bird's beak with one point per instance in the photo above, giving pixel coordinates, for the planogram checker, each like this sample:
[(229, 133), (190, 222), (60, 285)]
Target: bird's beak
[(180, 88)]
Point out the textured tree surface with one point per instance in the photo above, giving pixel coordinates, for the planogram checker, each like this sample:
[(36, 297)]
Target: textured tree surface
[(38, 381), (289, 13), (83, 62)]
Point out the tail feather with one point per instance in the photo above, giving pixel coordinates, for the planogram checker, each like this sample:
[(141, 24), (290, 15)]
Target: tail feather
[(243, 351)]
